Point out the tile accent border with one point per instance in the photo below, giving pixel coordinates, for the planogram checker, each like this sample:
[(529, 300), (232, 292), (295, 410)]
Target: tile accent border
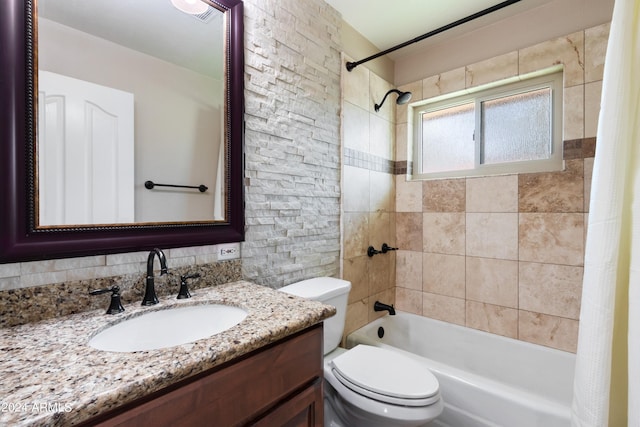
[(368, 161), (573, 149), (581, 148)]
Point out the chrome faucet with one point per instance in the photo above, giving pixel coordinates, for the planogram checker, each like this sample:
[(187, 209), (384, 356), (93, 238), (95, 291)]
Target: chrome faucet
[(150, 297)]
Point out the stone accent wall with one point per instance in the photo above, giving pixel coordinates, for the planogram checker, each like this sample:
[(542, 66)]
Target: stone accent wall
[(292, 141)]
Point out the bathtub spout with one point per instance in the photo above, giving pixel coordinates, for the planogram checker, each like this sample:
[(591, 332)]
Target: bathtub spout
[(378, 306)]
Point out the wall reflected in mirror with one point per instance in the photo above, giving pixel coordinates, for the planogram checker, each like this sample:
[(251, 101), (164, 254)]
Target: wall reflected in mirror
[(129, 91)]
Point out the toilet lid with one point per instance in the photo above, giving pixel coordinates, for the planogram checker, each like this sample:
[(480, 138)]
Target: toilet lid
[(385, 375)]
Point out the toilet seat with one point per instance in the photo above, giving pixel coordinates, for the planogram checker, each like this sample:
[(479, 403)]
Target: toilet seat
[(386, 376)]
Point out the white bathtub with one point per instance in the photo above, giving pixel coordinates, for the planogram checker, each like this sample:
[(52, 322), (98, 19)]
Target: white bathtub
[(485, 379)]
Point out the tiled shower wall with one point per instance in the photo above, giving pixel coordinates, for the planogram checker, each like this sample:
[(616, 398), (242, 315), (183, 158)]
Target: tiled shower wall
[(504, 254), (368, 201)]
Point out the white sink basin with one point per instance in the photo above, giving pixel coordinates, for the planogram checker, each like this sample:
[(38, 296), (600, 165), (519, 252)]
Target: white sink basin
[(168, 327)]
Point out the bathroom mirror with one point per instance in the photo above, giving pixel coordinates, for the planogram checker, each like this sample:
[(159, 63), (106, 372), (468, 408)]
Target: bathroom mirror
[(181, 92)]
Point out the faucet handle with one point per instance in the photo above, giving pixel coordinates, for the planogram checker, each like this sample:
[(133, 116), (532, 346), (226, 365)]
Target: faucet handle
[(115, 306), (386, 248), (184, 289)]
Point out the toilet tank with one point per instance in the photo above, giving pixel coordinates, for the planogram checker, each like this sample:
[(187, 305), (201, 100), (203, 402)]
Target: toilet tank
[(330, 291)]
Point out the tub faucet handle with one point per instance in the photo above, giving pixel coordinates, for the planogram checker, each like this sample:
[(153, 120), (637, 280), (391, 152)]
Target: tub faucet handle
[(371, 251), (386, 248)]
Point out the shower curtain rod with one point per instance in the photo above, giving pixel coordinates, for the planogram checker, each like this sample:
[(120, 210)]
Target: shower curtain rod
[(352, 65)]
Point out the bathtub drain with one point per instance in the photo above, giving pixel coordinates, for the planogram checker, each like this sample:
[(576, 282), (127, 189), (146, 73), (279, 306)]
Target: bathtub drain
[(380, 332)]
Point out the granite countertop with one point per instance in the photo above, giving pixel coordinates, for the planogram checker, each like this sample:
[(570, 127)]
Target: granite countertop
[(51, 377)]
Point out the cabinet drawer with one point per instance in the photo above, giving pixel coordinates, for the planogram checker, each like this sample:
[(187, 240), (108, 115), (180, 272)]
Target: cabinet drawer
[(237, 393)]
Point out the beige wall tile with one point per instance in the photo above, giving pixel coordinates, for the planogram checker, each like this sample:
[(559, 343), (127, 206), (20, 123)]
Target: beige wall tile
[(33, 267), (118, 270), (355, 270), (381, 192), (409, 231), (444, 274), (588, 173), (356, 189), (381, 135), (492, 70), (416, 94), (355, 86), (550, 289), (573, 117), (492, 318), (550, 331), (356, 234), (444, 195), (592, 95), (189, 251), (409, 269), (36, 279), (567, 50), (447, 309), (553, 191), (379, 230), (10, 270), (83, 262), (554, 238), (409, 300), (447, 82), (408, 195), (493, 281), (206, 258), (7, 283), (379, 274), (355, 127), (492, 194), (444, 233), (402, 142), (378, 88), (357, 316), (129, 258), (595, 49), (492, 235)]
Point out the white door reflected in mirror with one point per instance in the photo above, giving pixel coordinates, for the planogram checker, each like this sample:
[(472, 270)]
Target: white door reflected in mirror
[(85, 142)]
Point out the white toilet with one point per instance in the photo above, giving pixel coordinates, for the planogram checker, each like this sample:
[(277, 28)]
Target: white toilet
[(367, 386)]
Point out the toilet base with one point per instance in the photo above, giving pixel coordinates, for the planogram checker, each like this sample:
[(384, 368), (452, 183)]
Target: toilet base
[(338, 413)]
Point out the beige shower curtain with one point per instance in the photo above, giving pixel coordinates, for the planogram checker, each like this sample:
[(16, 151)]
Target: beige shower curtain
[(607, 381)]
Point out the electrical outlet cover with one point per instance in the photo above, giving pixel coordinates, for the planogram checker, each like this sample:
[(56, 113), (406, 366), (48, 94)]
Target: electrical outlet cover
[(228, 251)]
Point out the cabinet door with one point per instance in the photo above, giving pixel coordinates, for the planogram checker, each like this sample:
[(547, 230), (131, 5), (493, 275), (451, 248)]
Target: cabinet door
[(302, 410), (242, 391)]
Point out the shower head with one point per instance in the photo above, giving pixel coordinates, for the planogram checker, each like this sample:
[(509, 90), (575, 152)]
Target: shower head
[(403, 98)]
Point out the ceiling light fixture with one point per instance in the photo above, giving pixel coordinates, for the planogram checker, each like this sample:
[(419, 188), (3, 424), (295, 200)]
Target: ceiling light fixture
[(192, 7)]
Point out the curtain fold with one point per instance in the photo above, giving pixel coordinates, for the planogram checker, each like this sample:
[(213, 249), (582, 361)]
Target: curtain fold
[(607, 376)]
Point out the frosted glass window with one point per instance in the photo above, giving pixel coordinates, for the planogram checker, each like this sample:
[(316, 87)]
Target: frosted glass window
[(517, 128), (447, 139), (506, 127)]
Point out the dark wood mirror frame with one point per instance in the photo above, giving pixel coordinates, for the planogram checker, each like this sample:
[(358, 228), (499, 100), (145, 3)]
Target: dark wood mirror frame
[(20, 240)]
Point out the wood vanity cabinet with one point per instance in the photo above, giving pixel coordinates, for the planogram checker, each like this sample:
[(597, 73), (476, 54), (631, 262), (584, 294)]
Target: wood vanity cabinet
[(278, 385)]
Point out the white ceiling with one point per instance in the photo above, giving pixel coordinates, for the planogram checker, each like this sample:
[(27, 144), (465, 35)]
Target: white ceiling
[(150, 26), (388, 23)]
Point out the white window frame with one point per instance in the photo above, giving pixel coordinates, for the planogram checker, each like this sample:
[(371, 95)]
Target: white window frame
[(549, 78)]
